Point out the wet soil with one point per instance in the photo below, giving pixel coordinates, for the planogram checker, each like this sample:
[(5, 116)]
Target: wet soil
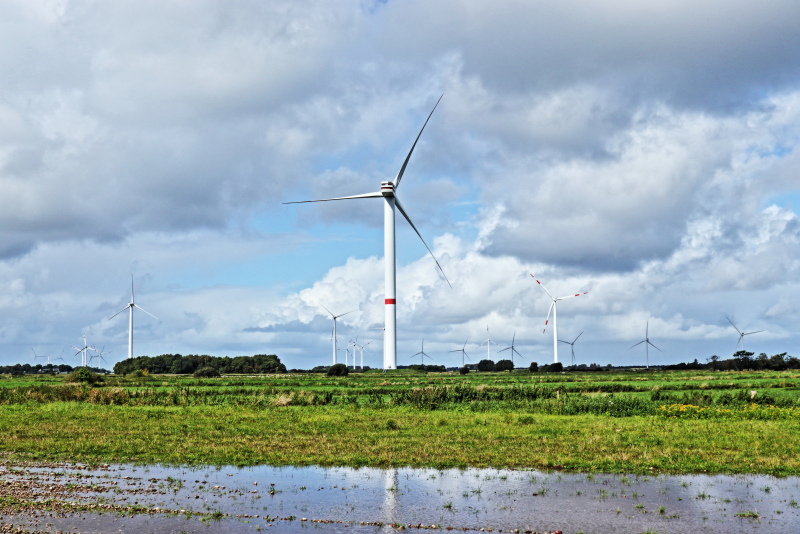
[(143, 499)]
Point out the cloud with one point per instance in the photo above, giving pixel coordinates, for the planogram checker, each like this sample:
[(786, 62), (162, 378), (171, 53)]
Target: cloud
[(645, 153)]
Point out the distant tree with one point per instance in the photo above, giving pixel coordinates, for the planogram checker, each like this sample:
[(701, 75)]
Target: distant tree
[(485, 365), (338, 369), (206, 372), (556, 367), (534, 368), (504, 365), (464, 370)]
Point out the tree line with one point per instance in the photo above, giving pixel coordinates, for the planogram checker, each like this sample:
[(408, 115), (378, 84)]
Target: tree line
[(28, 369), (186, 365)]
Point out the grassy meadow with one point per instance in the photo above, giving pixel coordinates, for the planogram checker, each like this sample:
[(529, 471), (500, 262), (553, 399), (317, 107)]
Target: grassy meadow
[(633, 422)]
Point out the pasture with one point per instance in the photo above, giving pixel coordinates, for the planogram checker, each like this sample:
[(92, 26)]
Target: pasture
[(613, 422)]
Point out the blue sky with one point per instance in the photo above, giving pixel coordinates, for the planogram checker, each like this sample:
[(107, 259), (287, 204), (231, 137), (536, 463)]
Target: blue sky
[(646, 154)]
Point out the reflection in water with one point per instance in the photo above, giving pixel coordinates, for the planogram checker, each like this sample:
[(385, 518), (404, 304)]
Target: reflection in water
[(390, 490), (341, 499)]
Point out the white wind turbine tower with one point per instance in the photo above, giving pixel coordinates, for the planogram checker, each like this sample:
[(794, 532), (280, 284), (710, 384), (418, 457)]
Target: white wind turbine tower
[(512, 349), (741, 334), (488, 344), (572, 346), (131, 305), (389, 194), (555, 321), (463, 351), (647, 344), (333, 333)]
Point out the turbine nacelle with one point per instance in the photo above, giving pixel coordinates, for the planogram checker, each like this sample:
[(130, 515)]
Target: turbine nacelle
[(387, 189)]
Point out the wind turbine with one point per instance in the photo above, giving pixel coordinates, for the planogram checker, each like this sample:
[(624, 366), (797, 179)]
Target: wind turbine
[(333, 333), (84, 352), (98, 355), (572, 346), (488, 344), (422, 355), (361, 348), (553, 311), (512, 349), (463, 351), (389, 194), (741, 334), (36, 356), (356, 346), (131, 305), (647, 343)]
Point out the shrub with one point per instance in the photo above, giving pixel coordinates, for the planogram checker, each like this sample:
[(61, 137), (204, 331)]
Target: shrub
[(139, 373), (534, 368), (464, 370), (83, 375), (486, 366), (206, 372), (338, 369), (504, 365)]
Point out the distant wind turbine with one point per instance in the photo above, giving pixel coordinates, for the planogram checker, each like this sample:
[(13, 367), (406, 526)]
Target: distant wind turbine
[(333, 333), (98, 354), (361, 350), (572, 346), (741, 334), (37, 356), (389, 194), (553, 311), (647, 343), (131, 305), (84, 352), (463, 351), (512, 349), (488, 344), (422, 354)]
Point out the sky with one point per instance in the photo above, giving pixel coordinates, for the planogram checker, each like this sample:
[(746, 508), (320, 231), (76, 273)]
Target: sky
[(645, 153)]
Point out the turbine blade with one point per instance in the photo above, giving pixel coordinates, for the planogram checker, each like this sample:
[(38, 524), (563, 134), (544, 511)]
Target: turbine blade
[(505, 349), (365, 195), (649, 343), (546, 321), (733, 325), (327, 310), (342, 315), (408, 157), (400, 207), (748, 333), (570, 296), (122, 310), (542, 286), (579, 335), (639, 343), (147, 312)]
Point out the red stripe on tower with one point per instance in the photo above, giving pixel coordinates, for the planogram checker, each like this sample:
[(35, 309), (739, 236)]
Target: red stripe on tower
[(391, 301)]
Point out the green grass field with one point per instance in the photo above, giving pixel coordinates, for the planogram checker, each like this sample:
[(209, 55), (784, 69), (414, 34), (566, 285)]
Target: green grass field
[(635, 422)]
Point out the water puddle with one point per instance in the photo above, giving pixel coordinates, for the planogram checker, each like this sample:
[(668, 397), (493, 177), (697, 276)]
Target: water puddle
[(314, 499)]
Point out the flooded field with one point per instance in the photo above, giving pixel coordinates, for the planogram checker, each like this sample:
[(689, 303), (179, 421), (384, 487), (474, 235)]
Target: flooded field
[(142, 499)]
